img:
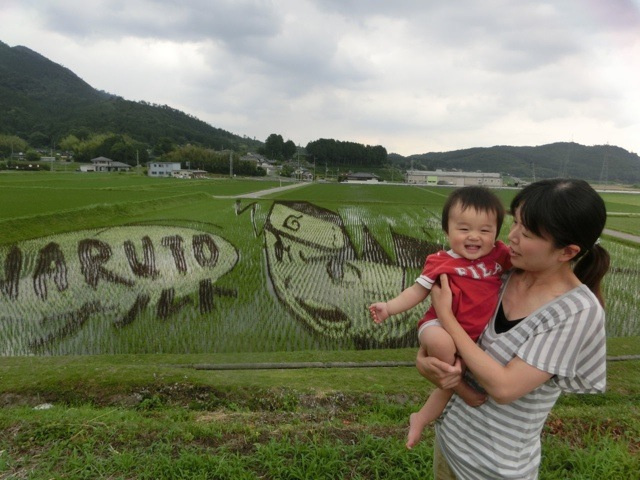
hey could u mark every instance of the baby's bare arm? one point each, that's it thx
(409, 298)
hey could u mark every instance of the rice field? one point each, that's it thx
(129, 264)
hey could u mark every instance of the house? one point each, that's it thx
(455, 178)
(104, 164)
(271, 170)
(262, 162)
(362, 177)
(189, 174)
(302, 174)
(255, 157)
(162, 169)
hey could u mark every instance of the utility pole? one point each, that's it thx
(533, 171)
(604, 173)
(230, 164)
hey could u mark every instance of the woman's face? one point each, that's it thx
(529, 251)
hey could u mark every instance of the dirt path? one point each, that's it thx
(622, 235)
(268, 191)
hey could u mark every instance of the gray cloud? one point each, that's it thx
(410, 74)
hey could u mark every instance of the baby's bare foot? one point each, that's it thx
(416, 426)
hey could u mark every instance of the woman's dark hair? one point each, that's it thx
(569, 212)
(480, 199)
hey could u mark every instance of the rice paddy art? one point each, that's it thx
(317, 274)
(54, 286)
(228, 276)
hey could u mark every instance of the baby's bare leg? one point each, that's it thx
(437, 343)
(431, 410)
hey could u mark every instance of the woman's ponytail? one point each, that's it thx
(591, 268)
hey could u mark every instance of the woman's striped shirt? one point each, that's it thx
(566, 338)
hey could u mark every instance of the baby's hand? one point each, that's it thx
(379, 312)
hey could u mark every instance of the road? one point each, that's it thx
(622, 235)
(261, 193)
(269, 191)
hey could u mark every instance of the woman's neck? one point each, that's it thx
(527, 291)
(552, 278)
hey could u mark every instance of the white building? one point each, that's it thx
(104, 164)
(162, 169)
(362, 177)
(458, 179)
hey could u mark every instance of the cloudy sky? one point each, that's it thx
(412, 75)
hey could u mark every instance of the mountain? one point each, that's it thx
(600, 163)
(42, 102)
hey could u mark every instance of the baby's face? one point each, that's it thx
(472, 233)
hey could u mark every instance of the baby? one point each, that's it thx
(471, 218)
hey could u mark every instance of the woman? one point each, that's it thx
(547, 336)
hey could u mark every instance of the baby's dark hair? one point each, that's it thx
(479, 198)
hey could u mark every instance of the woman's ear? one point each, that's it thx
(569, 252)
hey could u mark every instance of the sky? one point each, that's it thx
(414, 76)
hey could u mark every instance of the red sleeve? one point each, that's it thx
(433, 267)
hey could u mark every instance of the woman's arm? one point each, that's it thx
(503, 383)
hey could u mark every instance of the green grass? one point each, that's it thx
(151, 416)
(27, 194)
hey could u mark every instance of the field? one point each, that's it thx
(157, 417)
(208, 293)
(99, 264)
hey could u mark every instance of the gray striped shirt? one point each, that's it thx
(566, 338)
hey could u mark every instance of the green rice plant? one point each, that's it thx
(621, 290)
(303, 273)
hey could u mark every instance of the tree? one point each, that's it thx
(273, 146)
(289, 150)
(287, 171)
(11, 144)
(162, 146)
(346, 153)
(69, 143)
(38, 140)
(32, 156)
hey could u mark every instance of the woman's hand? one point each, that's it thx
(438, 372)
(441, 299)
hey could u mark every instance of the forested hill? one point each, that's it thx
(605, 163)
(42, 101)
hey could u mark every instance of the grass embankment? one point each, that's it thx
(155, 417)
